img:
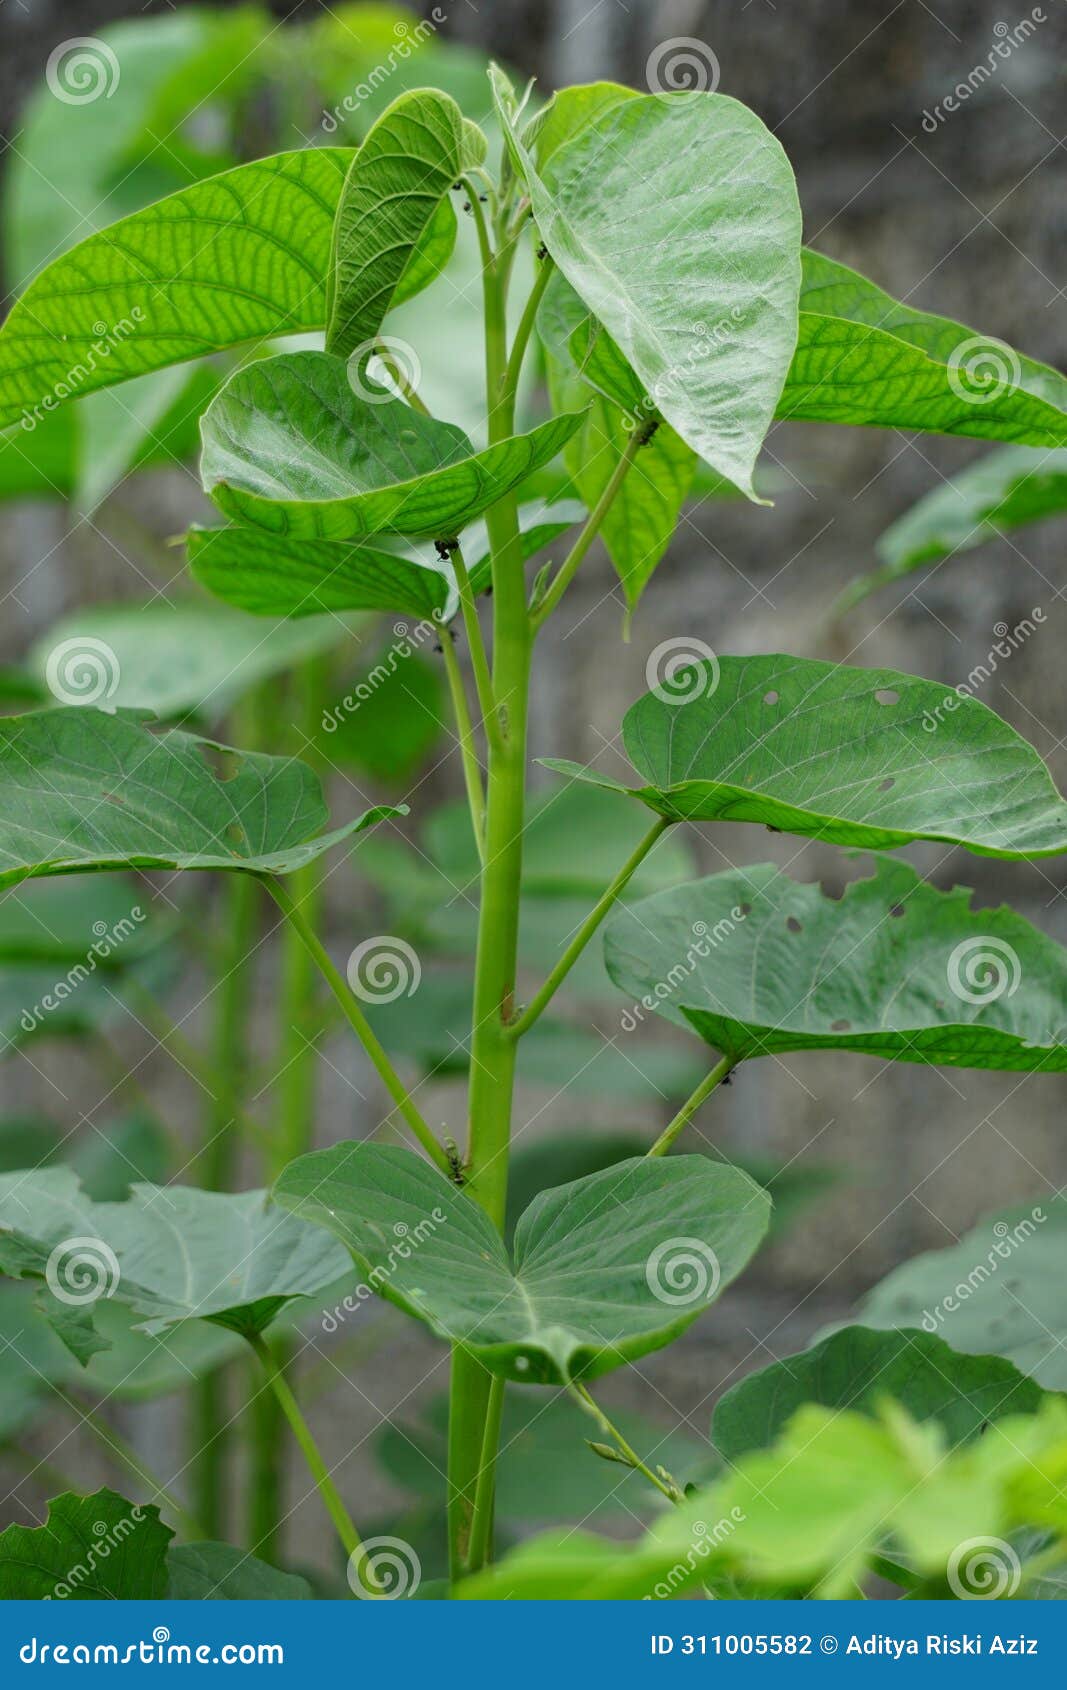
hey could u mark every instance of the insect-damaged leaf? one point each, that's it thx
(97, 1548)
(605, 1269)
(86, 789)
(757, 963)
(865, 757)
(289, 446)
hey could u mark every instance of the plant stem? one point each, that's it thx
(582, 1397)
(346, 1531)
(127, 1456)
(479, 662)
(482, 1519)
(358, 1022)
(472, 774)
(526, 324)
(570, 565)
(543, 998)
(691, 1105)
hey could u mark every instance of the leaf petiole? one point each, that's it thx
(718, 1074)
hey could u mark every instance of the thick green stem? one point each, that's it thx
(572, 562)
(689, 1108)
(342, 1520)
(125, 1454)
(472, 774)
(485, 1488)
(359, 1023)
(543, 998)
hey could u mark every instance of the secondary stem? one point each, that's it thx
(483, 681)
(358, 1022)
(689, 1108)
(472, 774)
(485, 1490)
(317, 1467)
(543, 998)
(570, 565)
(582, 1396)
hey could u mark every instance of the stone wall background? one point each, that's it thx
(971, 221)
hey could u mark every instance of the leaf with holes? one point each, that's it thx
(289, 446)
(865, 757)
(605, 1269)
(97, 1548)
(758, 964)
(86, 789)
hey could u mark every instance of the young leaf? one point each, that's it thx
(698, 283)
(858, 1368)
(97, 1548)
(231, 259)
(997, 1292)
(84, 789)
(864, 757)
(605, 1269)
(289, 446)
(217, 1572)
(758, 964)
(395, 187)
(170, 658)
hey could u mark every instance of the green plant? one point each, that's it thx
(667, 359)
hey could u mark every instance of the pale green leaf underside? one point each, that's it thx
(857, 1368)
(231, 259)
(864, 757)
(83, 789)
(710, 237)
(182, 1253)
(289, 446)
(999, 1291)
(578, 1299)
(395, 186)
(759, 964)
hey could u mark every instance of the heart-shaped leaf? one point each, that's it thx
(290, 447)
(171, 658)
(605, 1269)
(172, 1252)
(392, 194)
(865, 757)
(234, 258)
(757, 964)
(217, 1572)
(698, 282)
(97, 1548)
(84, 789)
(858, 1369)
(999, 1291)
